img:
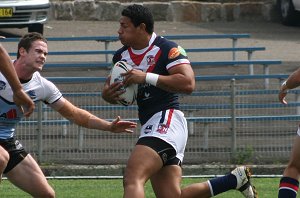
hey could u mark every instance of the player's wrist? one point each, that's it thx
(151, 78)
(16, 87)
(284, 87)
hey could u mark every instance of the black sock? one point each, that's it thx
(223, 184)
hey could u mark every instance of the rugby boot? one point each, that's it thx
(243, 174)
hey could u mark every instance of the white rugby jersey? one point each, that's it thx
(38, 88)
(160, 55)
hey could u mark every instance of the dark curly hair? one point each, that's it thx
(139, 14)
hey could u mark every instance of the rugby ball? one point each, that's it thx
(129, 96)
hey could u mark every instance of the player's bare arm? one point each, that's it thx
(292, 82)
(85, 119)
(21, 99)
(180, 80)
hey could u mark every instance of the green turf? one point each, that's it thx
(112, 188)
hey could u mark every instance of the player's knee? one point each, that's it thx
(127, 181)
(131, 180)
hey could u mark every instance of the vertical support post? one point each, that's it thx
(39, 132)
(80, 138)
(234, 43)
(64, 129)
(190, 123)
(106, 45)
(297, 100)
(251, 70)
(266, 72)
(45, 113)
(233, 118)
(205, 136)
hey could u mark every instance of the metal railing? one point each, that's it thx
(243, 120)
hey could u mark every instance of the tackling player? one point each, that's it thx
(20, 167)
(21, 99)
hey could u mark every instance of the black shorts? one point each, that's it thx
(166, 151)
(16, 152)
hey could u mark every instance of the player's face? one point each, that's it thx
(35, 58)
(128, 33)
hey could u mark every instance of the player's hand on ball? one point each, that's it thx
(134, 76)
(120, 126)
(111, 93)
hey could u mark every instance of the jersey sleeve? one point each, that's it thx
(175, 55)
(51, 92)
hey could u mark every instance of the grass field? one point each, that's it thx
(112, 188)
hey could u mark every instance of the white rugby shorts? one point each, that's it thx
(170, 126)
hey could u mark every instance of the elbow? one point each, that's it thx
(189, 88)
(190, 85)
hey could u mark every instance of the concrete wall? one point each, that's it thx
(180, 11)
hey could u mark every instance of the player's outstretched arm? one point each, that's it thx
(292, 82)
(119, 126)
(21, 99)
(85, 119)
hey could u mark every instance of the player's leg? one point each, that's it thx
(143, 162)
(28, 176)
(4, 157)
(166, 182)
(289, 183)
(238, 179)
(201, 189)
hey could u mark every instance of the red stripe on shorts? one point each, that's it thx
(170, 117)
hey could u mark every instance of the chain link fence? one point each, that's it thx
(229, 122)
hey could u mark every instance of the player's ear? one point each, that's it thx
(22, 50)
(142, 26)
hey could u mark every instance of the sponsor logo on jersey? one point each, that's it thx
(182, 51)
(148, 129)
(173, 53)
(2, 85)
(162, 128)
(150, 60)
(32, 94)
